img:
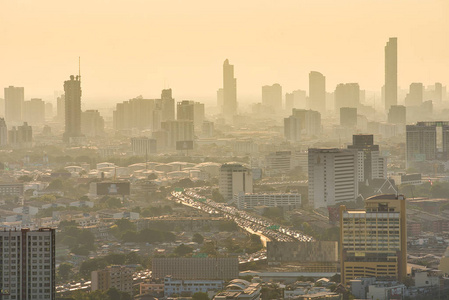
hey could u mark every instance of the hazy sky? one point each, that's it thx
(135, 47)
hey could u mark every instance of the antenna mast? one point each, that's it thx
(79, 67)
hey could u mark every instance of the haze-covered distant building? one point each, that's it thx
(34, 111)
(14, 98)
(415, 94)
(3, 133)
(92, 123)
(272, 97)
(317, 92)
(72, 89)
(229, 91)
(347, 95)
(397, 115)
(310, 121)
(292, 129)
(391, 73)
(348, 117)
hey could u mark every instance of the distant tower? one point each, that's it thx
(317, 92)
(72, 89)
(3, 133)
(391, 73)
(229, 91)
(14, 98)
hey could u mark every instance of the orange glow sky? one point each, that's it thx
(136, 47)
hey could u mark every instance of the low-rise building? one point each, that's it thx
(240, 289)
(189, 287)
(251, 200)
(118, 277)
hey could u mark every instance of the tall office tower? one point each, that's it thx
(136, 113)
(333, 176)
(2, 107)
(415, 94)
(168, 105)
(3, 133)
(185, 110)
(317, 92)
(14, 97)
(423, 143)
(229, 91)
(33, 111)
(25, 135)
(60, 108)
(391, 73)
(28, 264)
(48, 110)
(92, 123)
(234, 178)
(118, 277)
(272, 97)
(371, 165)
(193, 111)
(220, 99)
(438, 92)
(72, 91)
(348, 117)
(397, 115)
(310, 121)
(374, 240)
(289, 102)
(292, 129)
(347, 95)
(178, 131)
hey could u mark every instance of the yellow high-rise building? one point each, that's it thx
(374, 240)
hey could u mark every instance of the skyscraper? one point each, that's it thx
(272, 97)
(168, 105)
(14, 98)
(347, 95)
(333, 176)
(229, 91)
(28, 264)
(72, 89)
(374, 240)
(415, 94)
(391, 73)
(317, 92)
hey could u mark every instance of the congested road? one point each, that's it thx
(245, 220)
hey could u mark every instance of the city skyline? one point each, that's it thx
(284, 52)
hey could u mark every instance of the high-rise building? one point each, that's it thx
(229, 91)
(92, 123)
(72, 90)
(167, 105)
(422, 142)
(220, 99)
(272, 97)
(118, 277)
(21, 136)
(310, 121)
(34, 111)
(391, 73)
(347, 95)
(371, 165)
(292, 129)
(190, 110)
(333, 176)
(348, 117)
(60, 108)
(179, 130)
(14, 98)
(415, 94)
(28, 264)
(3, 133)
(143, 146)
(234, 178)
(397, 115)
(374, 240)
(135, 113)
(279, 162)
(317, 92)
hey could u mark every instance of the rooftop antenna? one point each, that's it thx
(79, 67)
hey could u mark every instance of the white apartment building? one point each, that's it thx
(234, 178)
(333, 176)
(190, 287)
(27, 262)
(249, 201)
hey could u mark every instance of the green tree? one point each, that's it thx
(197, 238)
(65, 271)
(25, 178)
(183, 250)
